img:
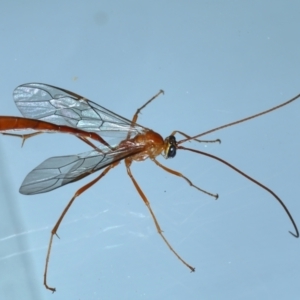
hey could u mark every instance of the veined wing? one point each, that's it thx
(55, 105)
(55, 172)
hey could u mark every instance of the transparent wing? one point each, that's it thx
(62, 107)
(57, 171)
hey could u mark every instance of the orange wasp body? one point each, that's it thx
(50, 109)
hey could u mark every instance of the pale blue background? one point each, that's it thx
(217, 61)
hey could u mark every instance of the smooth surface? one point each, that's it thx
(217, 62)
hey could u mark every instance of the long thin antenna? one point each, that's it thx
(251, 179)
(239, 121)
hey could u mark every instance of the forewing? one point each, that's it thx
(62, 107)
(57, 171)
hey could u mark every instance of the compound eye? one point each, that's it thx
(172, 139)
(172, 151)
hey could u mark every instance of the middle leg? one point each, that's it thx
(147, 203)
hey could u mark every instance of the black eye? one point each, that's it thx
(172, 139)
(172, 152)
